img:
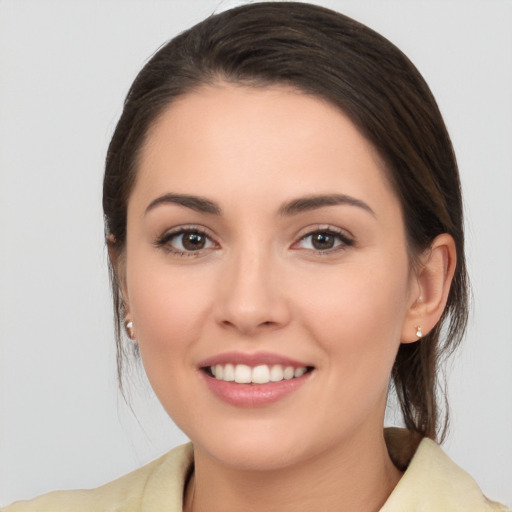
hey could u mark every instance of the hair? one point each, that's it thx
(326, 54)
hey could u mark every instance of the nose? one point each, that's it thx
(251, 297)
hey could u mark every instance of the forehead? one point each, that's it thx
(271, 139)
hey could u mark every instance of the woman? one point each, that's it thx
(284, 224)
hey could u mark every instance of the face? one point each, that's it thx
(266, 274)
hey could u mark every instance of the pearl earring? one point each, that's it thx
(129, 328)
(418, 332)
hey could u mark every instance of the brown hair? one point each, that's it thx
(324, 53)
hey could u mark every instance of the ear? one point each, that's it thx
(433, 277)
(118, 265)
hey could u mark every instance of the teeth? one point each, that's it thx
(288, 373)
(261, 374)
(229, 373)
(276, 373)
(299, 372)
(242, 374)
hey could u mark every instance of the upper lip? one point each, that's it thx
(251, 360)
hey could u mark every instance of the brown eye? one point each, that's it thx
(323, 241)
(193, 241)
(185, 241)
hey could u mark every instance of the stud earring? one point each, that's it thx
(418, 332)
(129, 328)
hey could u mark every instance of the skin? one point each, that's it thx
(259, 285)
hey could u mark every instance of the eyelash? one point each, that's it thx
(164, 241)
(344, 241)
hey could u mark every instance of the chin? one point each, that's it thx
(262, 450)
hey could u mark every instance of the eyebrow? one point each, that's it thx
(199, 204)
(308, 203)
(294, 207)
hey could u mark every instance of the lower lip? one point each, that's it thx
(254, 395)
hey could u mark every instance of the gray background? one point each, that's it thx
(65, 67)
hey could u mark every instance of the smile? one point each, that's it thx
(254, 380)
(261, 374)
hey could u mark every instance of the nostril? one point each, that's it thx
(230, 323)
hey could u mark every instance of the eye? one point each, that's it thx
(325, 240)
(185, 241)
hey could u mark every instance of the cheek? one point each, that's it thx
(169, 310)
(356, 315)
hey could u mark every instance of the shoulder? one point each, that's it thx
(130, 493)
(433, 482)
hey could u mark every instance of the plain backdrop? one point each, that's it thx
(65, 67)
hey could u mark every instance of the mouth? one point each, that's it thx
(259, 374)
(254, 380)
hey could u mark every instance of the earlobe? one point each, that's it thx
(129, 328)
(118, 267)
(434, 277)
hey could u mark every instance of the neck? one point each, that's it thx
(358, 478)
